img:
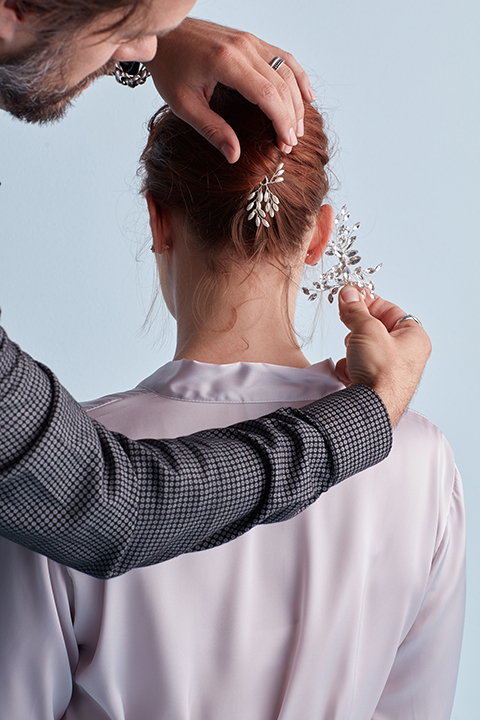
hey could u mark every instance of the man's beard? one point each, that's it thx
(32, 87)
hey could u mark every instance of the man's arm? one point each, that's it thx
(103, 503)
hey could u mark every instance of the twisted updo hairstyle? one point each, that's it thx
(185, 173)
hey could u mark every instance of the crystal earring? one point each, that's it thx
(130, 74)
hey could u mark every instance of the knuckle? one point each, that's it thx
(288, 57)
(242, 40)
(283, 89)
(223, 54)
(210, 133)
(287, 73)
(228, 50)
(268, 91)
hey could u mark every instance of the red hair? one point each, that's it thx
(185, 173)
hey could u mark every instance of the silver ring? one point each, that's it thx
(408, 317)
(276, 63)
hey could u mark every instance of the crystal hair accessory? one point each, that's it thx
(263, 202)
(340, 246)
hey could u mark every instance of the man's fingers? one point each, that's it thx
(301, 77)
(197, 113)
(358, 313)
(410, 333)
(290, 82)
(408, 330)
(353, 309)
(194, 57)
(385, 355)
(388, 313)
(243, 64)
(287, 74)
(262, 86)
(352, 306)
(273, 95)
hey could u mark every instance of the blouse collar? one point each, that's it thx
(242, 382)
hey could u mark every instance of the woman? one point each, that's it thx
(353, 609)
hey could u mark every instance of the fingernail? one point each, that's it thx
(313, 97)
(293, 137)
(350, 295)
(229, 152)
(300, 128)
(287, 149)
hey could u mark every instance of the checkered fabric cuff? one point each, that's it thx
(357, 426)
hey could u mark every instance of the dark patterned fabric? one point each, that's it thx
(102, 503)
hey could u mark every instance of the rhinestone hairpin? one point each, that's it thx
(264, 196)
(340, 245)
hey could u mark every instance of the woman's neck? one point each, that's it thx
(224, 348)
(253, 325)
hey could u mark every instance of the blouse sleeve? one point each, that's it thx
(421, 684)
(103, 504)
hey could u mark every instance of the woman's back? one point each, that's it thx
(353, 609)
(356, 603)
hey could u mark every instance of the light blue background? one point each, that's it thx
(399, 82)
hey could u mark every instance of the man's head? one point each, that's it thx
(50, 50)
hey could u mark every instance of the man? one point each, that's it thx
(103, 503)
(50, 50)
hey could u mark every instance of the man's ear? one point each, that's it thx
(321, 235)
(160, 225)
(15, 31)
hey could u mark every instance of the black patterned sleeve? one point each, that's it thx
(102, 503)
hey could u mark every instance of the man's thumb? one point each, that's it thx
(352, 307)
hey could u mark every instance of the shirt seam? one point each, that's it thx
(100, 405)
(237, 402)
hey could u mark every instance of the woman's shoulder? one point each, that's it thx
(423, 463)
(418, 429)
(115, 399)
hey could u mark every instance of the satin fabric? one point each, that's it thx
(353, 609)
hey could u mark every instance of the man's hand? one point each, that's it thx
(387, 356)
(194, 57)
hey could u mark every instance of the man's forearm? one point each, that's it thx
(103, 503)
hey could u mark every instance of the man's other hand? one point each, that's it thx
(194, 57)
(382, 353)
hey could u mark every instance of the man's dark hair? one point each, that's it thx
(57, 17)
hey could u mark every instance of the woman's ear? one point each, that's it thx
(160, 225)
(321, 235)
